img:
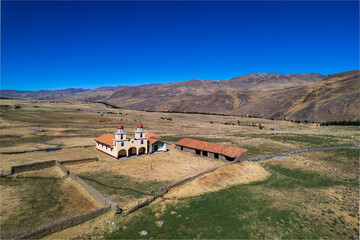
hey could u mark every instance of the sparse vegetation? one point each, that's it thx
(35, 201)
(341, 123)
(313, 195)
(285, 206)
(110, 178)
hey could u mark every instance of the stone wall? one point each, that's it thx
(242, 157)
(45, 164)
(96, 194)
(66, 223)
(165, 189)
(93, 192)
(62, 168)
(32, 166)
(190, 150)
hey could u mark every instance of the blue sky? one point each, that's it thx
(55, 45)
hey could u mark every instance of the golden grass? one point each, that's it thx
(46, 172)
(88, 122)
(10, 200)
(171, 166)
(227, 175)
(82, 230)
(73, 142)
(79, 200)
(310, 162)
(8, 160)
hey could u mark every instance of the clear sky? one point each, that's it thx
(55, 45)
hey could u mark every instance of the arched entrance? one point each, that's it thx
(141, 150)
(132, 151)
(122, 153)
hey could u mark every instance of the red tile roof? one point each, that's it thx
(211, 147)
(106, 139)
(151, 135)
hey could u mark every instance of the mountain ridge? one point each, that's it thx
(312, 96)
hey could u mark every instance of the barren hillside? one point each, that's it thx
(312, 97)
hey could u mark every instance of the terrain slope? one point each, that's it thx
(312, 96)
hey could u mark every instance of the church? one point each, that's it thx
(118, 145)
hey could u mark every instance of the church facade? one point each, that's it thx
(119, 145)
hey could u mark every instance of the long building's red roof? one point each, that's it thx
(211, 147)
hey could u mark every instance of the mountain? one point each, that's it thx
(272, 80)
(312, 96)
(41, 94)
(334, 98)
(210, 96)
(63, 94)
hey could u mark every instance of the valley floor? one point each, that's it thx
(313, 195)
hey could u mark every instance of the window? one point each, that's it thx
(121, 136)
(142, 142)
(122, 144)
(111, 149)
(140, 135)
(98, 144)
(105, 147)
(182, 148)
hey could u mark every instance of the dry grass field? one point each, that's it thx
(71, 127)
(36, 198)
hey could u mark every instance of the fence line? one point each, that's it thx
(63, 224)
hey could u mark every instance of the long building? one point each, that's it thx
(212, 150)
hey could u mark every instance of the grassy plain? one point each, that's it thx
(314, 195)
(37, 198)
(290, 203)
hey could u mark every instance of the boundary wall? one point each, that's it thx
(93, 192)
(61, 225)
(165, 189)
(46, 164)
(75, 220)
